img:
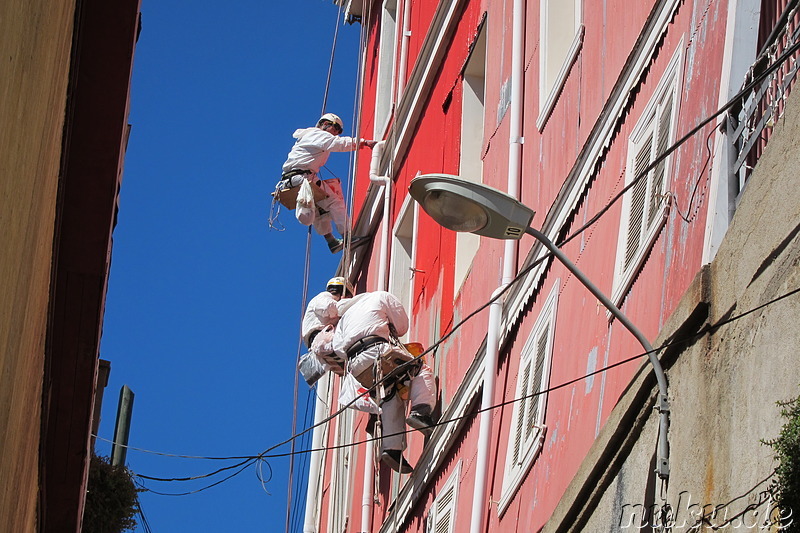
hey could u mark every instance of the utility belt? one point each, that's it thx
(392, 366)
(362, 344)
(296, 172)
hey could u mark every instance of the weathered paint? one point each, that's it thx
(584, 337)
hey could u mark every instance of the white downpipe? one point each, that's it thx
(369, 476)
(405, 37)
(485, 431)
(386, 181)
(479, 496)
(515, 127)
(311, 522)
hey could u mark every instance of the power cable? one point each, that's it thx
(710, 328)
(743, 92)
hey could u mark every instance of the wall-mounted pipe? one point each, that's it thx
(479, 496)
(368, 497)
(311, 522)
(404, 38)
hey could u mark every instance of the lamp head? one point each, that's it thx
(464, 206)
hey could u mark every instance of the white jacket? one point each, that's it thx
(321, 311)
(369, 314)
(312, 148)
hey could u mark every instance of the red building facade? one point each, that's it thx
(601, 117)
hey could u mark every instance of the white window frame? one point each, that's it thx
(442, 515)
(385, 86)
(527, 432)
(473, 112)
(738, 57)
(404, 255)
(644, 207)
(563, 57)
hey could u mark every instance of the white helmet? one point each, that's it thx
(340, 285)
(330, 117)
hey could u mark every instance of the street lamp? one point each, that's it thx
(465, 206)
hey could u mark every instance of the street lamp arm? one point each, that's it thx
(661, 378)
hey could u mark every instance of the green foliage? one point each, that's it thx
(786, 487)
(112, 499)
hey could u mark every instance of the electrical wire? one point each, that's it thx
(710, 328)
(733, 101)
(730, 103)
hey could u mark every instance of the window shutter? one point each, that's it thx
(637, 205)
(537, 386)
(523, 407)
(444, 510)
(664, 127)
(526, 435)
(442, 517)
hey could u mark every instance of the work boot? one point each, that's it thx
(335, 245)
(395, 460)
(420, 419)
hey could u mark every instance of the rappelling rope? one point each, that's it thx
(306, 275)
(358, 91)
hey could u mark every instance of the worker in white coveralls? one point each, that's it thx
(362, 336)
(309, 153)
(319, 322)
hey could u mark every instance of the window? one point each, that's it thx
(384, 95)
(644, 205)
(527, 432)
(442, 517)
(471, 164)
(401, 274)
(561, 37)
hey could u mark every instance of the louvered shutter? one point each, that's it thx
(537, 386)
(657, 186)
(519, 431)
(442, 518)
(638, 194)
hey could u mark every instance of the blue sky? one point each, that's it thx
(204, 301)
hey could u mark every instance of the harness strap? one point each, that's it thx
(362, 344)
(295, 172)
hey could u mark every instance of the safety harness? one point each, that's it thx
(392, 369)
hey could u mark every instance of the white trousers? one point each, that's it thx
(422, 391)
(335, 210)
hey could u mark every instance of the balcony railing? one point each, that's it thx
(753, 120)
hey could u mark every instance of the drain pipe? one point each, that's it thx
(311, 521)
(479, 496)
(401, 69)
(369, 474)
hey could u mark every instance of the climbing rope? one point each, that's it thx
(274, 223)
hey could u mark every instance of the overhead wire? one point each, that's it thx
(709, 328)
(733, 101)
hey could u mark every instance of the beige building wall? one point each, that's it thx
(724, 381)
(35, 44)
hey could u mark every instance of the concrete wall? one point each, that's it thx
(727, 368)
(35, 44)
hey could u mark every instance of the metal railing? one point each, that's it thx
(751, 123)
